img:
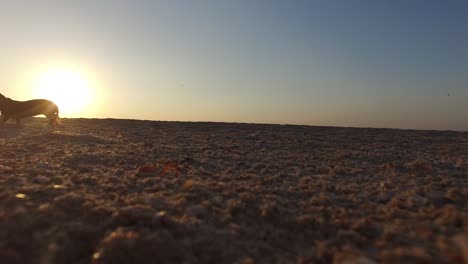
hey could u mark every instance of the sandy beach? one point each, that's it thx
(128, 191)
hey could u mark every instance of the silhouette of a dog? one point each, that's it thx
(23, 109)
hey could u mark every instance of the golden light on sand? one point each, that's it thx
(68, 88)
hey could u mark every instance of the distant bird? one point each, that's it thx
(448, 94)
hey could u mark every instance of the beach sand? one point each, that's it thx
(127, 191)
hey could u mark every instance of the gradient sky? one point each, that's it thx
(343, 63)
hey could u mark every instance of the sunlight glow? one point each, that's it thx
(67, 88)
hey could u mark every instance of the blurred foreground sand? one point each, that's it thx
(128, 191)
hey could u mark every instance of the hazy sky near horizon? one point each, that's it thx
(399, 64)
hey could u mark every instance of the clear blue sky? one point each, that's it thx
(345, 63)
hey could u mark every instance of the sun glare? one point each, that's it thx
(67, 88)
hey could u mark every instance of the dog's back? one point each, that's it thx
(22, 109)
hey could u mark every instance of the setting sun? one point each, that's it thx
(68, 88)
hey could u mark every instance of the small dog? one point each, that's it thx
(22, 109)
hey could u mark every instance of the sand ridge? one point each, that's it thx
(130, 191)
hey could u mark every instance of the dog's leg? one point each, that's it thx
(4, 119)
(51, 119)
(18, 121)
(56, 119)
